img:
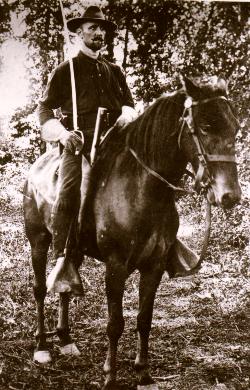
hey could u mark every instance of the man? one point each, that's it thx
(99, 83)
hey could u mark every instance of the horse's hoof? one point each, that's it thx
(70, 349)
(110, 384)
(42, 357)
(153, 386)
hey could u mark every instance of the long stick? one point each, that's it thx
(98, 128)
(72, 74)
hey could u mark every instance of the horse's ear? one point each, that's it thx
(190, 87)
(222, 85)
(219, 83)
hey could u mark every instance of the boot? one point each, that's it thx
(64, 277)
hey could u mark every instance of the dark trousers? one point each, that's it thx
(67, 201)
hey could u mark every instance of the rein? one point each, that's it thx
(155, 174)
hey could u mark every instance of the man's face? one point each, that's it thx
(92, 34)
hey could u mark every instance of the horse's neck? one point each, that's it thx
(155, 138)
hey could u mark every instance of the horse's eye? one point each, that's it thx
(204, 129)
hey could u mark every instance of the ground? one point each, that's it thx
(200, 331)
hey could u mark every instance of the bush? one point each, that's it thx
(5, 157)
(24, 124)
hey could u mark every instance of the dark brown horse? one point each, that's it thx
(130, 221)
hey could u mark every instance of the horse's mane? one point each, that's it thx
(148, 133)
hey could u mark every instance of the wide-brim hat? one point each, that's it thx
(92, 14)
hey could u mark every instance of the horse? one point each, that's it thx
(130, 220)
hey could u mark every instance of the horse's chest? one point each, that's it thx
(120, 204)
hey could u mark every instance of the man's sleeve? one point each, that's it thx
(127, 99)
(51, 99)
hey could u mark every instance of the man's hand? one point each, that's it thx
(128, 115)
(74, 143)
(54, 131)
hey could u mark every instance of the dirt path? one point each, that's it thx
(200, 333)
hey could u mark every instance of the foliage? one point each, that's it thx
(190, 37)
(24, 124)
(5, 157)
(4, 20)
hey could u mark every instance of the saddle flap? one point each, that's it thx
(44, 177)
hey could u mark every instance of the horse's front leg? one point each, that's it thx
(115, 283)
(68, 347)
(149, 282)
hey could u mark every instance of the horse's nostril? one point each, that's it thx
(228, 200)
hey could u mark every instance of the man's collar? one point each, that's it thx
(90, 59)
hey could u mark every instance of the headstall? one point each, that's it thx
(204, 158)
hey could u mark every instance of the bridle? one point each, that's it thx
(203, 157)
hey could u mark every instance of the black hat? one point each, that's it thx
(92, 14)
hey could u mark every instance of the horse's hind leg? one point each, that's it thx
(40, 241)
(149, 282)
(115, 283)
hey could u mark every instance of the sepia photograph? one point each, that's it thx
(124, 195)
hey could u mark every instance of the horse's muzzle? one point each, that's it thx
(225, 199)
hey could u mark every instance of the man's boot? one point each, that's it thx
(64, 277)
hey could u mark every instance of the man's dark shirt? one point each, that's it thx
(99, 83)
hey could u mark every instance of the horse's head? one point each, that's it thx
(208, 140)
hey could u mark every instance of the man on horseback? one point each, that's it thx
(99, 83)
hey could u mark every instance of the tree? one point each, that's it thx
(4, 20)
(168, 38)
(4, 23)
